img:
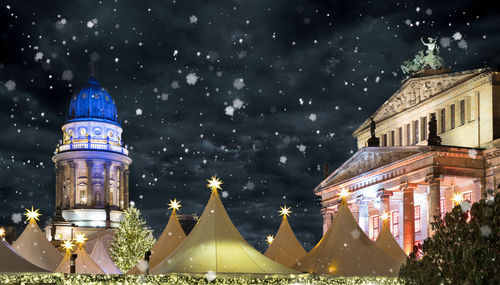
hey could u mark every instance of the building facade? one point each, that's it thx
(91, 167)
(409, 179)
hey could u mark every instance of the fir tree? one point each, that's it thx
(460, 251)
(132, 239)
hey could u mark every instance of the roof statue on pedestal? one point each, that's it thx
(433, 139)
(428, 60)
(373, 140)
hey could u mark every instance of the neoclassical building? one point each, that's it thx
(91, 166)
(406, 176)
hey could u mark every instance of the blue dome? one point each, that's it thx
(92, 103)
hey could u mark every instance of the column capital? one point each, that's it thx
(433, 178)
(382, 193)
(406, 186)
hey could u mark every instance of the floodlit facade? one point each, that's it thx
(91, 165)
(404, 175)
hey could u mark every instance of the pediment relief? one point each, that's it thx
(417, 90)
(366, 160)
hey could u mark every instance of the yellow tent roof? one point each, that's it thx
(84, 264)
(345, 250)
(34, 247)
(11, 261)
(389, 245)
(171, 237)
(285, 248)
(215, 245)
(100, 255)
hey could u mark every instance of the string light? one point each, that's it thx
(32, 215)
(269, 239)
(174, 204)
(285, 211)
(214, 183)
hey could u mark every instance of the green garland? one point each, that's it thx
(67, 279)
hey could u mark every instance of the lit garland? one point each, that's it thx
(58, 278)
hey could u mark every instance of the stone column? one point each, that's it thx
(121, 190)
(107, 166)
(408, 217)
(72, 183)
(90, 196)
(433, 199)
(363, 216)
(125, 187)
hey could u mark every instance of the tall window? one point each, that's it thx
(417, 218)
(462, 112)
(400, 136)
(408, 134)
(424, 128)
(395, 223)
(452, 116)
(443, 120)
(384, 140)
(468, 197)
(415, 132)
(392, 143)
(374, 227)
(442, 209)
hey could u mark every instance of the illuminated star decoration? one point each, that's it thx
(214, 183)
(80, 238)
(343, 195)
(174, 205)
(285, 211)
(68, 245)
(2, 232)
(457, 198)
(269, 239)
(32, 215)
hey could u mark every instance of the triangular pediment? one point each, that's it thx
(367, 159)
(418, 89)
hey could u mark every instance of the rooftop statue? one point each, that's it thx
(428, 60)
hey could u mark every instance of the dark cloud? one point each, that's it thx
(312, 72)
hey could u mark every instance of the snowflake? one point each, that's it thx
(67, 75)
(10, 85)
(138, 112)
(229, 110)
(302, 148)
(238, 83)
(485, 230)
(445, 42)
(462, 44)
(210, 276)
(355, 234)
(193, 19)
(312, 117)
(238, 104)
(191, 78)
(225, 194)
(283, 159)
(39, 56)
(465, 205)
(16, 218)
(457, 36)
(92, 23)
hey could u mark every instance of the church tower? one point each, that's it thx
(91, 166)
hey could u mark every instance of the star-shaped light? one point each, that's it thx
(67, 245)
(2, 232)
(32, 215)
(269, 239)
(385, 216)
(457, 198)
(174, 204)
(343, 193)
(80, 238)
(214, 183)
(285, 211)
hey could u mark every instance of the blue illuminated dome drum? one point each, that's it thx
(92, 165)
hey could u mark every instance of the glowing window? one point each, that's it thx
(417, 219)
(395, 223)
(442, 209)
(374, 227)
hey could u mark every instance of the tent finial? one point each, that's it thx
(214, 183)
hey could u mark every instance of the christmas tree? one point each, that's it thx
(131, 241)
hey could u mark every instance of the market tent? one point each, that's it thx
(11, 261)
(215, 245)
(285, 248)
(34, 247)
(100, 255)
(389, 245)
(169, 240)
(345, 250)
(83, 263)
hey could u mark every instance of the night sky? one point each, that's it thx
(260, 93)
